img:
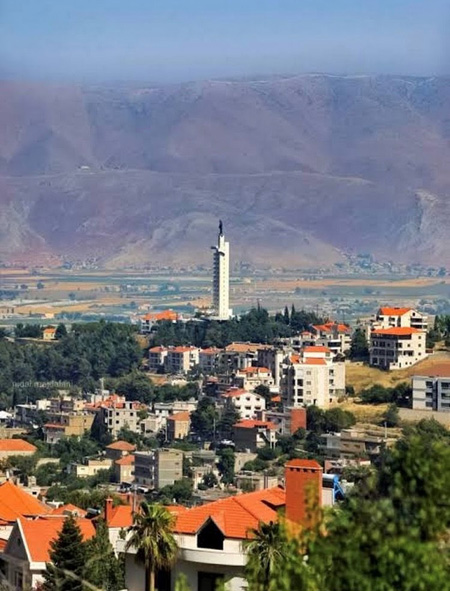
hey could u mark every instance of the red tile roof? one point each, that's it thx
(396, 331)
(294, 358)
(331, 327)
(234, 516)
(235, 392)
(125, 461)
(252, 424)
(438, 370)
(389, 311)
(122, 516)
(164, 315)
(210, 351)
(16, 445)
(314, 361)
(158, 349)
(15, 503)
(252, 369)
(179, 416)
(54, 426)
(67, 509)
(38, 533)
(316, 349)
(182, 349)
(121, 446)
(49, 330)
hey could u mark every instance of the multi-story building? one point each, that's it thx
(287, 421)
(237, 356)
(221, 277)
(246, 403)
(91, 467)
(396, 347)
(178, 426)
(432, 392)
(312, 378)
(272, 358)
(337, 337)
(156, 358)
(68, 424)
(392, 317)
(119, 449)
(251, 377)
(124, 469)
(180, 360)
(159, 468)
(352, 443)
(208, 360)
(121, 415)
(250, 435)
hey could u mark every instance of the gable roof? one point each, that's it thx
(125, 461)
(393, 311)
(314, 361)
(180, 416)
(316, 349)
(37, 534)
(396, 331)
(235, 392)
(121, 446)
(164, 315)
(331, 327)
(121, 516)
(234, 516)
(256, 370)
(19, 445)
(67, 509)
(15, 503)
(252, 424)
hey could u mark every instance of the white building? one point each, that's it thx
(392, 317)
(246, 403)
(396, 347)
(221, 277)
(208, 360)
(180, 360)
(156, 358)
(251, 377)
(312, 378)
(432, 392)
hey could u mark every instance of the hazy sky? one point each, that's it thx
(171, 40)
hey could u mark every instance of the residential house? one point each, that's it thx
(335, 336)
(68, 424)
(90, 467)
(27, 551)
(158, 468)
(180, 360)
(124, 469)
(251, 377)
(393, 317)
(208, 360)
(238, 356)
(16, 447)
(352, 443)
(397, 348)
(250, 435)
(119, 449)
(120, 415)
(432, 390)
(246, 403)
(178, 426)
(49, 333)
(156, 358)
(287, 421)
(148, 321)
(312, 378)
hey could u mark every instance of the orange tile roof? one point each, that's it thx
(390, 311)
(50, 330)
(122, 516)
(121, 446)
(440, 370)
(234, 516)
(182, 349)
(210, 351)
(59, 426)
(245, 347)
(235, 392)
(69, 508)
(294, 358)
(3, 544)
(179, 416)
(158, 349)
(252, 424)
(38, 533)
(314, 361)
(16, 445)
(331, 326)
(276, 399)
(316, 349)
(15, 503)
(396, 331)
(254, 370)
(125, 461)
(164, 315)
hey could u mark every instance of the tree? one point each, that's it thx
(151, 535)
(230, 417)
(68, 558)
(359, 349)
(61, 331)
(265, 553)
(315, 419)
(391, 416)
(264, 392)
(210, 480)
(204, 418)
(337, 419)
(226, 464)
(103, 569)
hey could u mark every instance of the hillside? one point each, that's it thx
(300, 169)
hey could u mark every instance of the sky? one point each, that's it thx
(179, 40)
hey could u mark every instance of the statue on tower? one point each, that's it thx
(220, 228)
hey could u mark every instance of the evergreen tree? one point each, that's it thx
(230, 417)
(68, 558)
(359, 348)
(103, 569)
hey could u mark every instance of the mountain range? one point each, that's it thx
(300, 169)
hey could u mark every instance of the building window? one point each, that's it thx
(209, 581)
(211, 537)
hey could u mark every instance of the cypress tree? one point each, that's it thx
(68, 557)
(103, 569)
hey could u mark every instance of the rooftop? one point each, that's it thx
(252, 424)
(16, 445)
(125, 461)
(15, 503)
(179, 416)
(396, 331)
(393, 311)
(121, 446)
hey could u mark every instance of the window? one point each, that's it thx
(209, 581)
(211, 537)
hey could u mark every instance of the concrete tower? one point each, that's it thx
(221, 277)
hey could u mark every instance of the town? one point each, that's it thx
(227, 424)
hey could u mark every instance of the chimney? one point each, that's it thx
(303, 491)
(108, 509)
(298, 419)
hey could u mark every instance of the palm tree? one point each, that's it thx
(151, 535)
(264, 553)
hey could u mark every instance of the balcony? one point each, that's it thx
(216, 557)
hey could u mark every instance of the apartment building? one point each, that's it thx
(396, 347)
(180, 360)
(251, 377)
(208, 360)
(124, 469)
(237, 356)
(352, 443)
(66, 425)
(250, 435)
(272, 358)
(312, 378)
(120, 415)
(156, 358)
(393, 317)
(178, 426)
(432, 391)
(337, 337)
(246, 403)
(159, 468)
(287, 421)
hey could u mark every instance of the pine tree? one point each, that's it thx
(68, 557)
(103, 569)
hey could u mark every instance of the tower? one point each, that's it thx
(221, 277)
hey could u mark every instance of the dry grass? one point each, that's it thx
(365, 413)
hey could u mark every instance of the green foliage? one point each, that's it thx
(210, 480)
(320, 421)
(400, 395)
(391, 417)
(103, 569)
(226, 464)
(256, 465)
(28, 331)
(204, 418)
(68, 558)
(256, 326)
(229, 417)
(61, 331)
(359, 348)
(180, 492)
(75, 449)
